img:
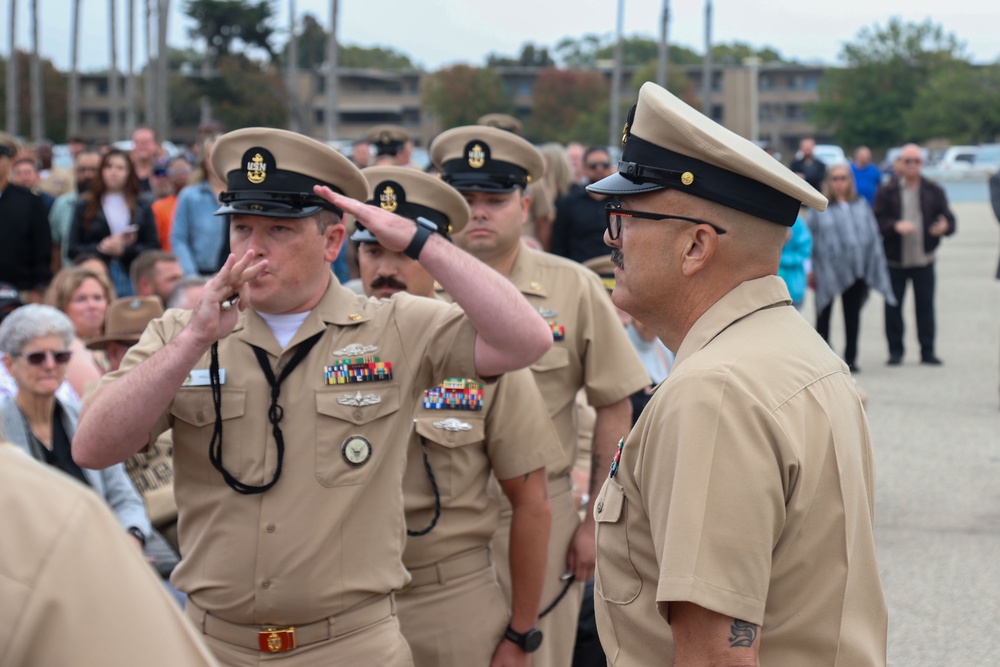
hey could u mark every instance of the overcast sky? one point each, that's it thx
(435, 33)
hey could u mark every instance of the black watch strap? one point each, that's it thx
(417, 243)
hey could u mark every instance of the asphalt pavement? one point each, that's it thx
(936, 433)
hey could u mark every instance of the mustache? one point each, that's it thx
(387, 281)
(618, 258)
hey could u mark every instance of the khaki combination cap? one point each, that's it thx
(668, 144)
(126, 320)
(388, 139)
(414, 195)
(272, 172)
(9, 146)
(501, 121)
(477, 157)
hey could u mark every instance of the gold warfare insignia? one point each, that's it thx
(477, 157)
(387, 199)
(256, 169)
(687, 178)
(624, 134)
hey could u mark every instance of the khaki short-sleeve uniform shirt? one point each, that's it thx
(75, 589)
(747, 488)
(590, 348)
(509, 435)
(330, 534)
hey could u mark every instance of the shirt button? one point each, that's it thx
(281, 365)
(358, 415)
(201, 416)
(266, 583)
(270, 528)
(600, 506)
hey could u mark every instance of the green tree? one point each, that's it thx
(960, 102)
(459, 95)
(885, 68)
(531, 56)
(224, 23)
(570, 105)
(53, 89)
(375, 57)
(312, 51)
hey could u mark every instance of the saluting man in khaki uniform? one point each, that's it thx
(736, 522)
(75, 589)
(491, 168)
(292, 400)
(454, 612)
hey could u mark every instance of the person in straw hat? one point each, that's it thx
(292, 400)
(735, 525)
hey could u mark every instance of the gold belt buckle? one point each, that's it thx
(276, 640)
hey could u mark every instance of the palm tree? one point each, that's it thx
(162, 60)
(149, 76)
(12, 91)
(330, 113)
(37, 110)
(113, 86)
(130, 101)
(73, 96)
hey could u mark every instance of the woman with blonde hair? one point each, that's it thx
(197, 234)
(83, 295)
(848, 258)
(555, 183)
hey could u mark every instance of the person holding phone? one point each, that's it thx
(112, 221)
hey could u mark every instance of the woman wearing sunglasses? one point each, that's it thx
(35, 342)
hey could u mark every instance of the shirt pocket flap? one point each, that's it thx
(557, 357)
(360, 406)
(609, 505)
(195, 407)
(451, 431)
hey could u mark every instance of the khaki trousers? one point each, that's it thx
(454, 624)
(559, 627)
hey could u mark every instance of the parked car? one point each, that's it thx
(958, 157)
(988, 158)
(830, 154)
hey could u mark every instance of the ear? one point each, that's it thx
(701, 244)
(334, 236)
(8, 361)
(525, 205)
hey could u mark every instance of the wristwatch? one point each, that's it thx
(137, 534)
(528, 641)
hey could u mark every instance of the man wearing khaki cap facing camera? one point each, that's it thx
(454, 613)
(291, 402)
(735, 526)
(491, 168)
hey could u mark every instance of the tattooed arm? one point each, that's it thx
(704, 638)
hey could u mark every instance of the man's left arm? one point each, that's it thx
(530, 524)
(704, 638)
(510, 333)
(613, 422)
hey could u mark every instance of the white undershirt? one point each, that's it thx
(116, 212)
(284, 326)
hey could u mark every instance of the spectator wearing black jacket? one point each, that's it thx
(25, 238)
(578, 230)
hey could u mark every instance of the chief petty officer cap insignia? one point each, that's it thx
(415, 195)
(477, 157)
(388, 139)
(668, 144)
(272, 172)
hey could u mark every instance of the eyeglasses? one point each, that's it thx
(838, 178)
(598, 165)
(613, 214)
(38, 358)
(912, 160)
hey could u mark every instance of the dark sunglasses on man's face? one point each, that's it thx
(598, 165)
(38, 358)
(912, 160)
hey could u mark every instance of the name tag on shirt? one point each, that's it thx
(200, 377)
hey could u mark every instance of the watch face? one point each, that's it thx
(356, 450)
(532, 640)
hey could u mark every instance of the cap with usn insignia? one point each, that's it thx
(414, 195)
(388, 139)
(272, 172)
(476, 157)
(668, 144)
(501, 121)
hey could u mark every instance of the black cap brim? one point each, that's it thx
(617, 185)
(268, 209)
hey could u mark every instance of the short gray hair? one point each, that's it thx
(183, 285)
(33, 321)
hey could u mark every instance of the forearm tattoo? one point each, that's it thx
(743, 634)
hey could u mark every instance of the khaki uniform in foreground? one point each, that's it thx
(75, 589)
(746, 488)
